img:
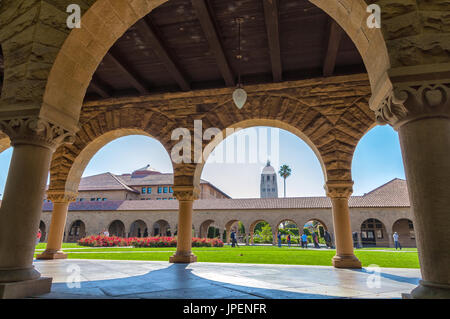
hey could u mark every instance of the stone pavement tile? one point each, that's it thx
(88, 291)
(332, 291)
(385, 295)
(213, 292)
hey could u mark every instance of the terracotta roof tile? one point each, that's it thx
(391, 194)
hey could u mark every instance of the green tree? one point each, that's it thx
(285, 172)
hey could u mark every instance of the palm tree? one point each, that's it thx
(285, 172)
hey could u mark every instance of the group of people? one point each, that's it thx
(303, 239)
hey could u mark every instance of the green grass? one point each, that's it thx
(247, 254)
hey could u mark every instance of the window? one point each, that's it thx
(165, 189)
(81, 199)
(142, 198)
(379, 234)
(158, 199)
(170, 190)
(103, 199)
(164, 198)
(268, 177)
(99, 199)
(159, 189)
(143, 190)
(92, 199)
(273, 189)
(149, 190)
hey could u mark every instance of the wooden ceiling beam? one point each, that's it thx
(100, 88)
(125, 70)
(148, 33)
(271, 15)
(335, 33)
(209, 29)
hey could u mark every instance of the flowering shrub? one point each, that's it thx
(103, 241)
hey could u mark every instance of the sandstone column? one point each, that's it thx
(61, 201)
(34, 142)
(339, 192)
(420, 112)
(186, 196)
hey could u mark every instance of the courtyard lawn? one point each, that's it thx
(248, 254)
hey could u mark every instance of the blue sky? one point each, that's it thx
(376, 161)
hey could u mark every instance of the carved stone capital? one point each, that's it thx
(410, 102)
(185, 193)
(60, 196)
(34, 130)
(339, 189)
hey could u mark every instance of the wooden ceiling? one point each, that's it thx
(192, 44)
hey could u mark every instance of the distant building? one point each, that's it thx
(269, 184)
(143, 184)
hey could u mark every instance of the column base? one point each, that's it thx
(28, 288)
(51, 254)
(346, 262)
(178, 258)
(430, 290)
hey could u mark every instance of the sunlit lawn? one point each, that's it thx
(249, 254)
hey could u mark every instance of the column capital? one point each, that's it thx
(339, 189)
(36, 131)
(186, 193)
(61, 196)
(407, 102)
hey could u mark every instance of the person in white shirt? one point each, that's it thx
(396, 242)
(106, 233)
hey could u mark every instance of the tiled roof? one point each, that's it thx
(391, 194)
(102, 182)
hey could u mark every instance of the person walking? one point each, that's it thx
(355, 239)
(396, 242)
(233, 239)
(315, 240)
(327, 238)
(38, 237)
(304, 239)
(288, 239)
(279, 239)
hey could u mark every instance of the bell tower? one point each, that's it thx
(269, 184)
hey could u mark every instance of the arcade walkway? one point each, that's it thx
(152, 279)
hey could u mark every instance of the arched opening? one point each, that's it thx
(261, 233)
(288, 229)
(405, 230)
(373, 233)
(162, 228)
(117, 228)
(243, 150)
(208, 230)
(138, 229)
(377, 159)
(76, 231)
(42, 228)
(315, 231)
(236, 227)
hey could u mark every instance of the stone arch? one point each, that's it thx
(62, 99)
(69, 161)
(116, 228)
(138, 228)
(204, 227)
(405, 230)
(163, 228)
(251, 230)
(76, 231)
(374, 233)
(333, 138)
(352, 17)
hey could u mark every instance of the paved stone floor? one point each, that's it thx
(153, 279)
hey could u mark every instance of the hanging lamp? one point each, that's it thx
(239, 95)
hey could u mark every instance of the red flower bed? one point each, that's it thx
(103, 241)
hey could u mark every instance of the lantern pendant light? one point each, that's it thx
(239, 95)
